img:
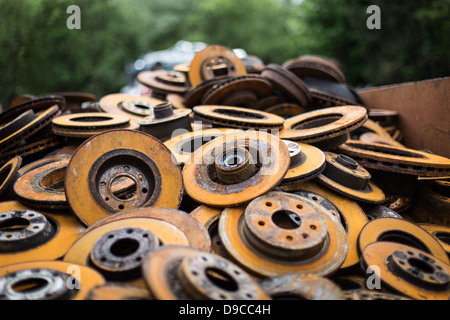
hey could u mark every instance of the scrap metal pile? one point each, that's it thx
(231, 180)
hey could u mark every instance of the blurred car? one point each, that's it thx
(181, 52)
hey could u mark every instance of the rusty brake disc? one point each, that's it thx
(163, 82)
(403, 232)
(85, 125)
(344, 175)
(431, 203)
(134, 107)
(325, 92)
(183, 146)
(166, 122)
(309, 66)
(280, 233)
(42, 120)
(114, 154)
(212, 62)
(118, 291)
(288, 84)
(195, 232)
(194, 96)
(43, 187)
(341, 209)
(440, 233)
(46, 160)
(409, 271)
(285, 110)
(376, 211)
(307, 162)
(324, 128)
(47, 280)
(209, 218)
(237, 117)
(29, 235)
(33, 150)
(371, 295)
(371, 137)
(242, 91)
(399, 160)
(301, 286)
(181, 273)
(9, 173)
(16, 124)
(118, 248)
(36, 104)
(235, 168)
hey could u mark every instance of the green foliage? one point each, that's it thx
(39, 54)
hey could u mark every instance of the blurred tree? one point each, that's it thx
(39, 54)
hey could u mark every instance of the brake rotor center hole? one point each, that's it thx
(421, 265)
(286, 219)
(30, 285)
(14, 224)
(124, 247)
(347, 161)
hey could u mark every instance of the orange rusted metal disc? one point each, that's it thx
(301, 286)
(88, 124)
(214, 61)
(195, 232)
(344, 175)
(236, 168)
(21, 241)
(327, 127)
(281, 233)
(177, 272)
(114, 154)
(343, 210)
(9, 174)
(307, 162)
(163, 81)
(38, 163)
(440, 233)
(400, 231)
(361, 294)
(42, 120)
(237, 117)
(183, 146)
(393, 159)
(50, 280)
(117, 249)
(118, 291)
(314, 67)
(286, 82)
(209, 217)
(134, 107)
(410, 271)
(43, 187)
(371, 137)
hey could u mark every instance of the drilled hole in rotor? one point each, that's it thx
(405, 238)
(444, 237)
(14, 225)
(124, 247)
(29, 285)
(221, 279)
(286, 219)
(240, 114)
(54, 180)
(421, 265)
(316, 122)
(91, 119)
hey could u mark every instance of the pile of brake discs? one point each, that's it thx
(232, 180)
